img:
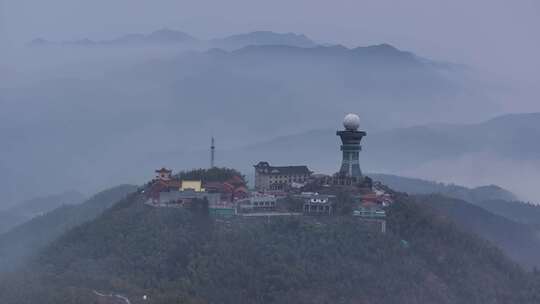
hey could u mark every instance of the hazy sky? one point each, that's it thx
(501, 36)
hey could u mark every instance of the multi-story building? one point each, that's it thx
(258, 202)
(271, 178)
(317, 204)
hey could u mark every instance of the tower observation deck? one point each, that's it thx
(350, 138)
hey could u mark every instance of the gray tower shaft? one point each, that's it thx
(350, 163)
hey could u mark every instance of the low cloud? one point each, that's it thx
(476, 169)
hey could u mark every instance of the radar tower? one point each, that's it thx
(350, 138)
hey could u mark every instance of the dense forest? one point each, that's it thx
(181, 256)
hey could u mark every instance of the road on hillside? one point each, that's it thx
(117, 296)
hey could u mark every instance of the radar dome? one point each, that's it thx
(351, 122)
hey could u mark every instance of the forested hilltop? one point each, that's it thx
(183, 256)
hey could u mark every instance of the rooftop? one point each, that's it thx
(283, 170)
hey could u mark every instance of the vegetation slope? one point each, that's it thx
(518, 240)
(182, 256)
(28, 238)
(489, 211)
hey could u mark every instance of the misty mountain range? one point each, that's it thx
(507, 137)
(168, 37)
(24, 211)
(34, 234)
(476, 195)
(98, 119)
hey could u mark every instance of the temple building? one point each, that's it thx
(163, 174)
(271, 178)
(231, 190)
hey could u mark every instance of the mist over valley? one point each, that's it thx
(110, 111)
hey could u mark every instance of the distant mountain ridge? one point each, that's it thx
(521, 212)
(518, 240)
(359, 55)
(507, 135)
(26, 210)
(263, 38)
(169, 37)
(419, 186)
(21, 242)
(163, 36)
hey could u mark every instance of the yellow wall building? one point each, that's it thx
(192, 184)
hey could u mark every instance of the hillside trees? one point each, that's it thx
(174, 255)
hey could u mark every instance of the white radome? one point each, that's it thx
(351, 122)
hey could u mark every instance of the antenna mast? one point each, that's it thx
(212, 153)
